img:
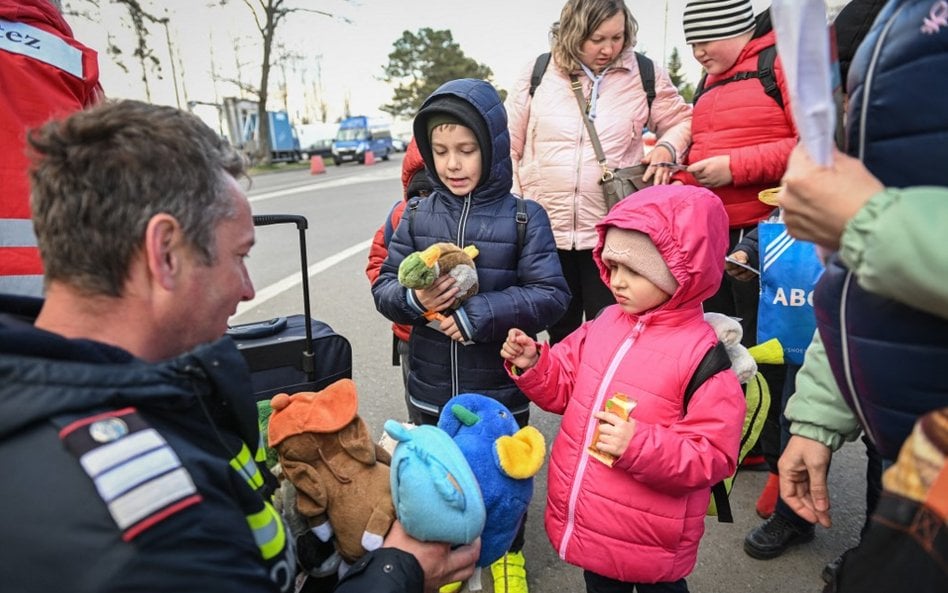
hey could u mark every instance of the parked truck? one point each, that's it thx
(359, 134)
(243, 130)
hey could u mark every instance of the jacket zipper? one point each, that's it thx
(599, 403)
(843, 308)
(462, 225)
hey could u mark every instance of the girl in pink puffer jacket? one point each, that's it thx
(639, 521)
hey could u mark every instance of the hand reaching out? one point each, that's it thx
(803, 467)
(520, 350)
(615, 434)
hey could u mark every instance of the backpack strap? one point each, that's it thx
(714, 361)
(389, 229)
(647, 73)
(412, 207)
(765, 73)
(539, 69)
(522, 220)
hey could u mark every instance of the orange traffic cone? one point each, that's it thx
(316, 165)
(369, 158)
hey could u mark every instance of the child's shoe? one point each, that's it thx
(451, 587)
(767, 501)
(509, 574)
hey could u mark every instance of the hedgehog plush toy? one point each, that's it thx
(422, 268)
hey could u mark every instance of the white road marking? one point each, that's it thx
(379, 174)
(293, 280)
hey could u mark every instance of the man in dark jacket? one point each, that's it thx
(127, 428)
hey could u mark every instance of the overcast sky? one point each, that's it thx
(347, 59)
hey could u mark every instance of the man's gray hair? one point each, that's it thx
(101, 174)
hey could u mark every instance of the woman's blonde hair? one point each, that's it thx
(578, 21)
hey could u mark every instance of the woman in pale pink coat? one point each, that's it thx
(639, 521)
(553, 157)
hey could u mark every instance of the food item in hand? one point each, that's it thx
(620, 405)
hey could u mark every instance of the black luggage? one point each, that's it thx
(285, 354)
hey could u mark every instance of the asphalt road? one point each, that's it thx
(344, 207)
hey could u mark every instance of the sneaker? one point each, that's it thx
(509, 574)
(767, 501)
(451, 587)
(772, 537)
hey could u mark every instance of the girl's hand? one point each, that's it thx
(439, 295)
(615, 434)
(713, 172)
(520, 350)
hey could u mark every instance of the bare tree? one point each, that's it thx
(268, 15)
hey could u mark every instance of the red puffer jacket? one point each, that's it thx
(740, 120)
(44, 73)
(379, 249)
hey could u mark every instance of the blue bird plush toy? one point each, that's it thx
(504, 459)
(435, 494)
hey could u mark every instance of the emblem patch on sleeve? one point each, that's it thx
(138, 475)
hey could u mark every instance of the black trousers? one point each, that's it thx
(589, 293)
(596, 583)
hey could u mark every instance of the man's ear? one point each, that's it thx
(163, 249)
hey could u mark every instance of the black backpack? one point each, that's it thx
(765, 73)
(646, 71)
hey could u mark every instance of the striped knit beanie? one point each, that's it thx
(710, 20)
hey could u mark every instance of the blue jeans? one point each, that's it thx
(599, 584)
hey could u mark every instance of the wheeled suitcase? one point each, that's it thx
(286, 354)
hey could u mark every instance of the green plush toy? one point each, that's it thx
(422, 268)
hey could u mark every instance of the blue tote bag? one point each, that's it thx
(789, 271)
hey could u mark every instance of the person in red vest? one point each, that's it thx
(44, 73)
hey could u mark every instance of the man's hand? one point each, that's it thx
(519, 349)
(440, 563)
(439, 295)
(803, 467)
(713, 172)
(818, 202)
(615, 434)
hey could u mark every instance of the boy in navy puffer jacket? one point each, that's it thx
(461, 131)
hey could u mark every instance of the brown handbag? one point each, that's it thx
(616, 183)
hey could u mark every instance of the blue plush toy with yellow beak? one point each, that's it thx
(504, 459)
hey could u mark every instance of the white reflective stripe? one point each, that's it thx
(25, 40)
(151, 497)
(17, 232)
(22, 285)
(136, 471)
(117, 452)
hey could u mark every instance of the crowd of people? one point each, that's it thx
(125, 408)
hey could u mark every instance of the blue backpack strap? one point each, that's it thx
(389, 229)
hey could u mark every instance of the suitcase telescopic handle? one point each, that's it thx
(309, 366)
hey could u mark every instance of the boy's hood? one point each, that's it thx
(688, 225)
(482, 96)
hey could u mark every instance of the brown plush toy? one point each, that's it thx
(341, 475)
